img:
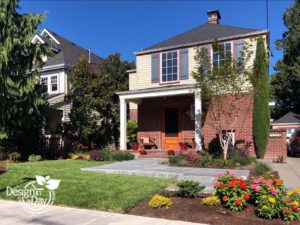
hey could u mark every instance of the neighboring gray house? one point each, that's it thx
(56, 72)
(288, 122)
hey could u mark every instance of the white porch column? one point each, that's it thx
(198, 115)
(123, 124)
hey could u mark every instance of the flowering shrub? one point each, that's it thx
(95, 155)
(192, 156)
(234, 192)
(158, 201)
(211, 201)
(14, 156)
(269, 196)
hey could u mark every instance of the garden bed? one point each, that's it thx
(191, 210)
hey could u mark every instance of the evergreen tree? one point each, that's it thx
(112, 77)
(285, 84)
(83, 119)
(21, 97)
(261, 112)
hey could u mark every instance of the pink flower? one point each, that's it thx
(253, 186)
(274, 192)
(231, 174)
(258, 180)
(215, 183)
(295, 208)
(221, 175)
(257, 188)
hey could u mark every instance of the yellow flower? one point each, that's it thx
(265, 207)
(295, 203)
(272, 200)
(297, 190)
(290, 193)
(263, 196)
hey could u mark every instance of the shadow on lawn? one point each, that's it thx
(23, 181)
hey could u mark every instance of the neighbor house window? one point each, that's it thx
(54, 83)
(169, 66)
(44, 81)
(218, 58)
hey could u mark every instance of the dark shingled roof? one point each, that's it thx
(67, 52)
(290, 117)
(203, 32)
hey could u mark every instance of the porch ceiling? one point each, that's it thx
(158, 92)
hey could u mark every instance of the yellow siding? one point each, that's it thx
(142, 78)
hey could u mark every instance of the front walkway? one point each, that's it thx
(11, 212)
(289, 172)
(155, 168)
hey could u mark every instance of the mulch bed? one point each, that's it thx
(192, 210)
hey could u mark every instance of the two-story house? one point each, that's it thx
(162, 93)
(56, 72)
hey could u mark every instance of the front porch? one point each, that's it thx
(166, 117)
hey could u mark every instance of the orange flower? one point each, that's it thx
(277, 182)
(246, 197)
(231, 184)
(225, 198)
(238, 201)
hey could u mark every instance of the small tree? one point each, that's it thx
(261, 113)
(231, 79)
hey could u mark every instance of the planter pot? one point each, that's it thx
(135, 146)
(143, 152)
(171, 152)
(183, 146)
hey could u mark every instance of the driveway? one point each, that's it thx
(156, 168)
(289, 172)
(11, 212)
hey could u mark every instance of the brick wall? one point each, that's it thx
(223, 111)
(133, 114)
(150, 121)
(276, 145)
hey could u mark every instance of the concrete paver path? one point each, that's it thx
(155, 168)
(11, 213)
(289, 172)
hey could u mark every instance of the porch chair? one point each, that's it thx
(147, 142)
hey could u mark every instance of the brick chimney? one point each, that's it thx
(213, 16)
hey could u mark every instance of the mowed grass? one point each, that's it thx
(110, 192)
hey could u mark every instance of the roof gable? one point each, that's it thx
(205, 32)
(290, 118)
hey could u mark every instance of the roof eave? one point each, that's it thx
(251, 34)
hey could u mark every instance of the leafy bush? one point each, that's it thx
(260, 169)
(205, 159)
(211, 201)
(35, 158)
(132, 129)
(106, 154)
(238, 158)
(121, 156)
(158, 201)
(95, 155)
(14, 156)
(189, 188)
(173, 159)
(192, 156)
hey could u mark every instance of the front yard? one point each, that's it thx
(118, 193)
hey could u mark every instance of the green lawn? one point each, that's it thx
(118, 193)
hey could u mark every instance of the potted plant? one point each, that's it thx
(183, 146)
(132, 129)
(143, 152)
(171, 152)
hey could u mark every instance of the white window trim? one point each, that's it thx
(212, 51)
(49, 86)
(178, 69)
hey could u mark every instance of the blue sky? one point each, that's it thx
(128, 26)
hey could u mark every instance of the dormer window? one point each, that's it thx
(169, 67)
(220, 58)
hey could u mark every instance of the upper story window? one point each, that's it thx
(44, 81)
(169, 66)
(54, 83)
(219, 58)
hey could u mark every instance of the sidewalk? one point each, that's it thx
(11, 212)
(289, 172)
